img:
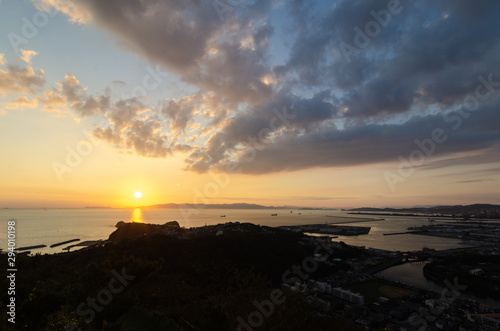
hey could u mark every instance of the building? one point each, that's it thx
(321, 286)
(491, 320)
(347, 295)
(476, 272)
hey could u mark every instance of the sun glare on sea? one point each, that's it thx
(137, 216)
(138, 195)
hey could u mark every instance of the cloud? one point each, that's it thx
(75, 12)
(2, 59)
(268, 106)
(51, 101)
(472, 156)
(130, 126)
(263, 125)
(152, 28)
(189, 39)
(470, 181)
(21, 102)
(76, 97)
(27, 55)
(418, 58)
(399, 73)
(313, 198)
(180, 112)
(127, 124)
(491, 171)
(108, 135)
(145, 138)
(119, 83)
(357, 145)
(189, 111)
(23, 80)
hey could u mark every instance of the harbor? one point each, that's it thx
(344, 230)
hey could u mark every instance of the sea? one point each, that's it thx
(51, 226)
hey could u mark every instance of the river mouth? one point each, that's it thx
(413, 274)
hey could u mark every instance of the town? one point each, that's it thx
(351, 289)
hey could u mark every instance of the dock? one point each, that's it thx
(64, 242)
(29, 247)
(407, 232)
(340, 230)
(86, 244)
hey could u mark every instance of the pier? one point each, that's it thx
(29, 247)
(64, 242)
(85, 244)
(341, 230)
(406, 232)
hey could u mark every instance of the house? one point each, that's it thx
(355, 298)
(476, 272)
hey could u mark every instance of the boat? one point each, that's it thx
(222, 215)
(274, 214)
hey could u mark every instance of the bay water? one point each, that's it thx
(50, 226)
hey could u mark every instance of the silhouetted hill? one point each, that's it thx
(163, 277)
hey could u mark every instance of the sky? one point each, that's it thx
(345, 103)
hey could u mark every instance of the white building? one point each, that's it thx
(355, 298)
(476, 272)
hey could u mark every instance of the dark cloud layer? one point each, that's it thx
(343, 95)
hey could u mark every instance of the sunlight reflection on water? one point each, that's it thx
(137, 216)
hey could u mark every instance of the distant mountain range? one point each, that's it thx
(475, 209)
(225, 206)
(214, 206)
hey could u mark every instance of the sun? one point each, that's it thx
(138, 195)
